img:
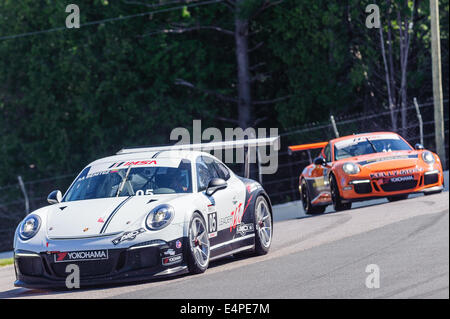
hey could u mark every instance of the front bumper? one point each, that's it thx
(366, 187)
(39, 270)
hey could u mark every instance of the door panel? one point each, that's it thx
(220, 203)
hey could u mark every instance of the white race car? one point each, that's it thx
(143, 213)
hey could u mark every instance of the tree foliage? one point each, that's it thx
(70, 96)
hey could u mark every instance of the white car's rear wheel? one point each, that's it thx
(263, 226)
(263, 229)
(199, 247)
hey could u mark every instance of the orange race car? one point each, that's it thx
(365, 166)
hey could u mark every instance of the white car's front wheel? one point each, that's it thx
(199, 247)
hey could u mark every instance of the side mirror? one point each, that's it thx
(54, 197)
(320, 161)
(214, 185)
(419, 146)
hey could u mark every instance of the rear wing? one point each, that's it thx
(306, 147)
(235, 144)
(255, 142)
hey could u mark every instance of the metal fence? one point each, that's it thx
(18, 199)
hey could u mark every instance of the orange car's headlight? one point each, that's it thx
(351, 168)
(428, 157)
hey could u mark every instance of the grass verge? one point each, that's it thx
(7, 261)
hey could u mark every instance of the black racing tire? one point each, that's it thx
(306, 201)
(336, 196)
(198, 242)
(397, 198)
(263, 226)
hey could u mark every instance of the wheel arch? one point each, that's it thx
(266, 197)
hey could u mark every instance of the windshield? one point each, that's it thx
(136, 178)
(369, 145)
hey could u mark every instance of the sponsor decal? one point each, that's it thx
(117, 164)
(178, 244)
(137, 163)
(169, 252)
(387, 158)
(237, 217)
(166, 261)
(225, 220)
(395, 173)
(211, 208)
(81, 255)
(100, 220)
(401, 179)
(86, 229)
(245, 228)
(130, 235)
(252, 187)
(93, 174)
(134, 163)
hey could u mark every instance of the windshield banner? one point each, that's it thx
(359, 139)
(110, 167)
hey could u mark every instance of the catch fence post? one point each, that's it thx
(333, 122)
(419, 117)
(25, 195)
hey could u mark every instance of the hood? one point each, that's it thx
(101, 216)
(387, 161)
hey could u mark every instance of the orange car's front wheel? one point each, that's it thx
(336, 197)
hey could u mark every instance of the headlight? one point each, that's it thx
(428, 157)
(351, 168)
(160, 217)
(29, 227)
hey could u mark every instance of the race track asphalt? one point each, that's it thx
(322, 256)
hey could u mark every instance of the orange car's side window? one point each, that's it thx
(327, 153)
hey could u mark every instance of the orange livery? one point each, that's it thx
(364, 166)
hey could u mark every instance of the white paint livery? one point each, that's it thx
(119, 222)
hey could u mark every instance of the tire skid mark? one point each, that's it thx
(418, 284)
(424, 227)
(430, 293)
(382, 249)
(341, 219)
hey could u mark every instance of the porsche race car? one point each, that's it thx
(366, 166)
(144, 213)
